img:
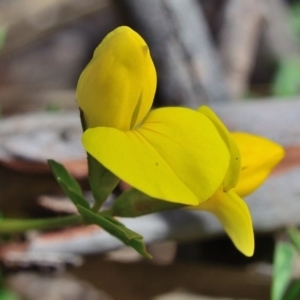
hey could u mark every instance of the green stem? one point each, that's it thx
(107, 212)
(97, 206)
(19, 225)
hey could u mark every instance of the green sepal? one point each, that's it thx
(117, 229)
(70, 186)
(102, 181)
(134, 203)
(282, 269)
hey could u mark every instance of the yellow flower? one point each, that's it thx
(258, 157)
(174, 154)
(117, 87)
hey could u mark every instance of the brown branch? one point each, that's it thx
(280, 36)
(186, 60)
(21, 20)
(239, 39)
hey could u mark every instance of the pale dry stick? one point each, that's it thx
(201, 57)
(25, 20)
(244, 23)
(239, 37)
(180, 43)
(152, 280)
(186, 59)
(26, 142)
(279, 33)
(34, 285)
(149, 19)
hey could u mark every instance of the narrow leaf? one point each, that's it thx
(6, 294)
(283, 265)
(75, 197)
(294, 235)
(294, 291)
(134, 203)
(287, 78)
(117, 229)
(60, 172)
(3, 32)
(68, 183)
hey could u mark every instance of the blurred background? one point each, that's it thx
(240, 57)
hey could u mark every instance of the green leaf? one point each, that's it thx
(294, 235)
(287, 78)
(3, 32)
(70, 186)
(117, 229)
(294, 18)
(76, 198)
(283, 266)
(6, 294)
(53, 107)
(294, 291)
(61, 173)
(133, 203)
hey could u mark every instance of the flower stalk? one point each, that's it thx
(20, 225)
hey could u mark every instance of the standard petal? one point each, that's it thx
(176, 155)
(117, 87)
(232, 177)
(259, 157)
(234, 215)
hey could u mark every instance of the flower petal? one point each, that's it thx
(234, 215)
(259, 157)
(117, 87)
(176, 155)
(232, 177)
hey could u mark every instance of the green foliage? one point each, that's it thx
(287, 79)
(6, 294)
(108, 223)
(53, 107)
(285, 252)
(68, 183)
(294, 291)
(117, 229)
(294, 235)
(2, 36)
(294, 18)
(2, 39)
(134, 203)
(283, 265)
